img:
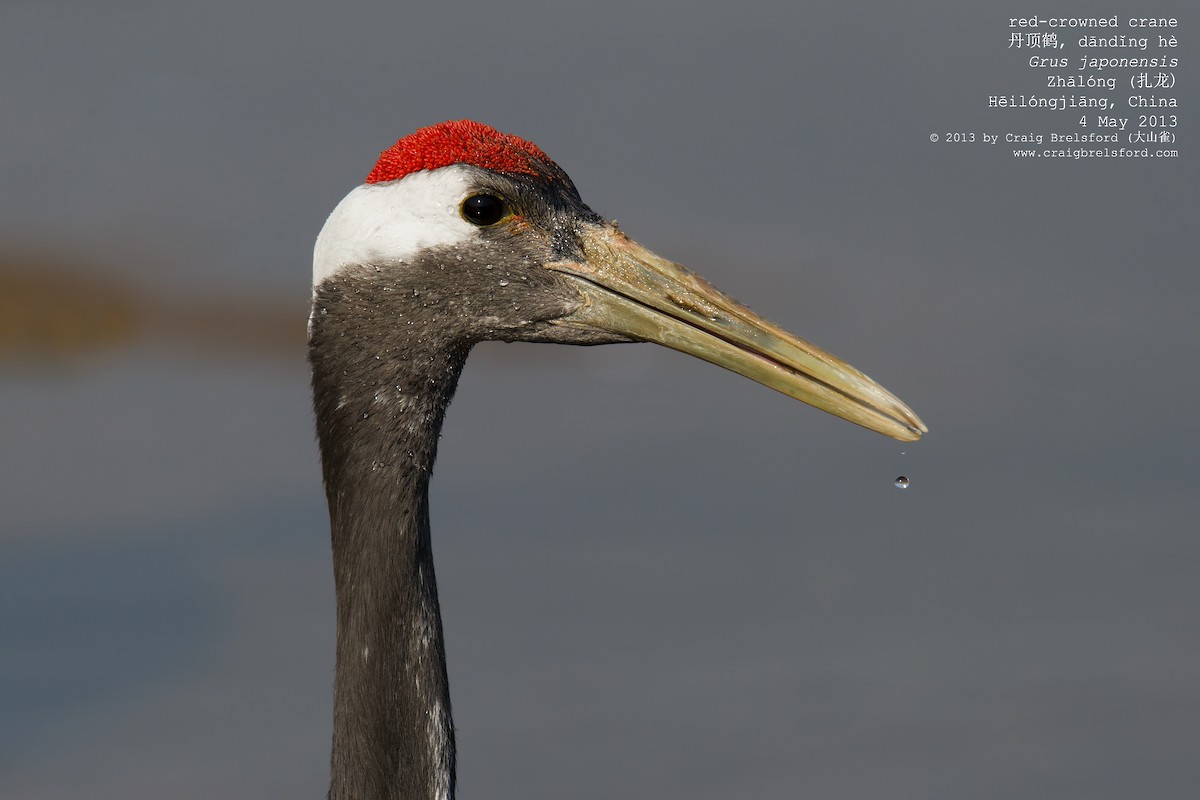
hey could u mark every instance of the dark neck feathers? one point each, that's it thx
(380, 398)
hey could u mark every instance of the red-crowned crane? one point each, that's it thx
(462, 234)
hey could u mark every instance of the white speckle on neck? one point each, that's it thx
(438, 745)
(394, 221)
(422, 649)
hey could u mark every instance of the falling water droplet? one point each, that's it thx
(902, 482)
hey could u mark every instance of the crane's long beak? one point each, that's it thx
(633, 292)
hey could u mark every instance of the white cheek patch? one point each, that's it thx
(394, 221)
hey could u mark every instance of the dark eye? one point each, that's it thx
(484, 209)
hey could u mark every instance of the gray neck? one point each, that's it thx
(378, 422)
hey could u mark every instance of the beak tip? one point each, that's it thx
(917, 428)
(908, 430)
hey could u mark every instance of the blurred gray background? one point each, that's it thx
(658, 579)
